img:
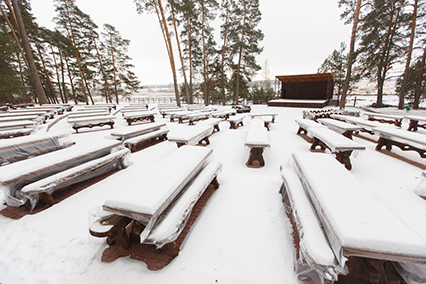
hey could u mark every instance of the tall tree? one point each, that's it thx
(351, 13)
(244, 41)
(380, 46)
(35, 79)
(403, 90)
(156, 6)
(116, 61)
(225, 16)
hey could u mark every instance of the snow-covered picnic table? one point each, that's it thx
(132, 137)
(160, 200)
(357, 223)
(190, 135)
(134, 116)
(91, 121)
(20, 148)
(346, 129)
(21, 173)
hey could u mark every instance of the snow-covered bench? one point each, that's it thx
(416, 121)
(313, 252)
(271, 116)
(196, 116)
(405, 140)
(224, 113)
(191, 135)
(92, 121)
(131, 117)
(157, 208)
(359, 224)
(236, 121)
(81, 114)
(336, 143)
(304, 124)
(212, 122)
(20, 148)
(367, 125)
(385, 118)
(137, 137)
(257, 139)
(19, 174)
(346, 129)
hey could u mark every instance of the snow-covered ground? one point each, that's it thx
(242, 236)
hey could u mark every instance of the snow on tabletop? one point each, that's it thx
(92, 119)
(357, 218)
(136, 129)
(151, 190)
(257, 134)
(189, 134)
(28, 139)
(338, 124)
(180, 210)
(312, 235)
(415, 137)
(138, 114)
(416, 117)
(308, 123)
(22, 168)
(334, 140)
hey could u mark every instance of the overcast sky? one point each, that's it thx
(299, 35)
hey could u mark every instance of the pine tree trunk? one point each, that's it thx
(351, 55)
(225, 35)
(408, 60)
(35, 79)
(57, 75)
(180, 53)
(419, 81)
(106, 87)
(237, 87)
(205, 63)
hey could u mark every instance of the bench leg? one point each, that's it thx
(172, 248)
(316, 142)
(205, 139)
(136, 231)
(301, 130)
(343, 158)
(413, 125)
(383, 142)
(256, 159)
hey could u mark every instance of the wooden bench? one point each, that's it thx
(11, 133)
(131, 117)
(366, 125)
(82, 114)
(304, 124)
(197, 116)
(236, 121)
(385, 118)
(20, 148)
(212, 122)
(268, 115)
(257, 139)
(137, 137)
(156, 208)
(19, 174)
(92, 121)
(416, 121)
(338, 144)
(405, 140)
(17, 128)
(346, 129)
(242, 108)
(360, 226)
(313, 252)
(225, 114)
(191, 135)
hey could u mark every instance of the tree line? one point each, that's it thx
(386, 35)
(75, 61)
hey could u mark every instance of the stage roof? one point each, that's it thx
(306, 77)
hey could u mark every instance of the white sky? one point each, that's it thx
(299, 35)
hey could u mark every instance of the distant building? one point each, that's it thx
(310, 90)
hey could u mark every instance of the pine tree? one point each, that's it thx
(117, 64)
(244, 41)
